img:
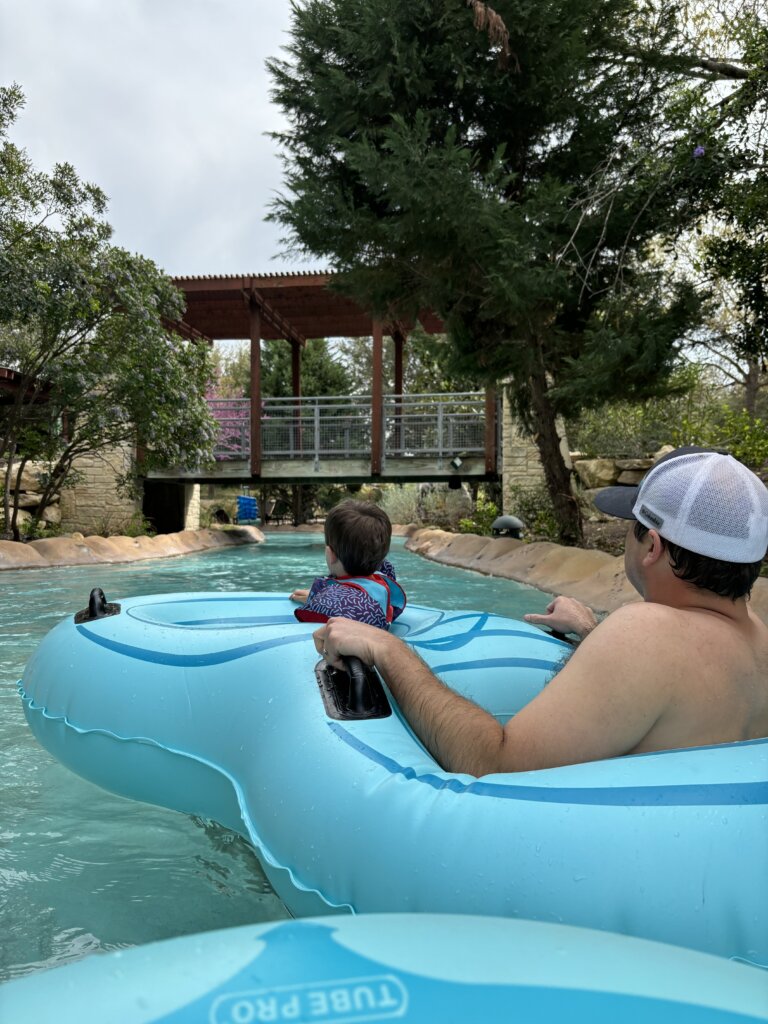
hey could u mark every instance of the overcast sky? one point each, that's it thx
(164, 104)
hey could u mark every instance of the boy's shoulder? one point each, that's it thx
(387, 569)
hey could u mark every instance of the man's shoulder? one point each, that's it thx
(639, 612)
(628, 630)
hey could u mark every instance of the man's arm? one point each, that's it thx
(455, 730)
(600, 705)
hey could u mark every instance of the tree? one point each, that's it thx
(516, 197)
(727, 248)
(429, 364)
(85, 326)
(321, 372)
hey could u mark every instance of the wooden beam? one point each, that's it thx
(275, 319)
(296, 369)
(490, 430)
(255, 335)
(377, 398)
(296, 389)
(398, 337)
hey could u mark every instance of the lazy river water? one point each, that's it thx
(82, 870)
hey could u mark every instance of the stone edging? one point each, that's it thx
(76, 549)
(593, 577)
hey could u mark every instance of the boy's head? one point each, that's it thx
(358, 533)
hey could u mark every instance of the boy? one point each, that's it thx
(361, 584)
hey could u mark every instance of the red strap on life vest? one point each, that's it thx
(304, 615)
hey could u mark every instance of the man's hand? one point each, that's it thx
(566, 615)
(339, 637)
(299, 596)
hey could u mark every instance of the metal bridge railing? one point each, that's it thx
(340, 427)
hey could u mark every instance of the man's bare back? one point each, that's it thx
(720, 690)
(686, 667)
(702, 672)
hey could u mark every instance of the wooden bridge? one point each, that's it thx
(310, 440)
(394, 437)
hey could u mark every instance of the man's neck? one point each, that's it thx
(676, 593)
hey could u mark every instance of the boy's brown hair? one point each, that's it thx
(359, 533)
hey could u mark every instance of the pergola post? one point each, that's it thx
(490, 430)
(398, 336)
(254, 330)
(377, 398)
(297, 442)
(296, 368)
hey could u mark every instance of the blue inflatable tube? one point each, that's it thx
(420, 969)
(215, 705)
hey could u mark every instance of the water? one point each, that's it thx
(82, 870)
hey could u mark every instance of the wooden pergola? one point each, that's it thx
(294, 307)
(11, 382)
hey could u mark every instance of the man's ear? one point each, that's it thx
(656, 548)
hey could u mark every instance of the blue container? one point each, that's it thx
(247, 509)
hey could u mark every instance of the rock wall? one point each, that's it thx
(192, 506)
(80, 550)
(29, 489)
(94, 505)
(520, 460)
(594, 577)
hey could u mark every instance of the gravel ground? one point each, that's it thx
(606, 536)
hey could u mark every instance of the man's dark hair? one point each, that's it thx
(727, 579)
(359, 533)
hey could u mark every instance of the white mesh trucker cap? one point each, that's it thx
(702, 500)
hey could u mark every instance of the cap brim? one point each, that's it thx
(617, 501)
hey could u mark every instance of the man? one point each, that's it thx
(685, 667)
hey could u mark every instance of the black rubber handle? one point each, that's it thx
(97, 603)
(560, 636)
(98, 607)
(360, 696)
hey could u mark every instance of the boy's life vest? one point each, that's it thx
(383, 590)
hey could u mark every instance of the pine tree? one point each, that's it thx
(511, 182)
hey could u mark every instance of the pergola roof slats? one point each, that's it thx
(295, 306)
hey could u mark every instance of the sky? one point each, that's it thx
(164, 104)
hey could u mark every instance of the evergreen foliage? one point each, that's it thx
(85, 326)
(514, 190)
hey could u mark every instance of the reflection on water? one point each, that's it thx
(83, 871)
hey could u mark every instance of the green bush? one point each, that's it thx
(638, 429)
(117, 525)
(439, 507)
(532, 504)
(400, 502)
(482, 518)
(735, 430)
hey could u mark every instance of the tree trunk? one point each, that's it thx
(10, 451)
(298, 502)
(16, 491)
(557, 476)
(751, 386)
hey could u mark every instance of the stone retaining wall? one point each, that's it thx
(79, 550)
(30, 488)
(520, 458)
(94, 504)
